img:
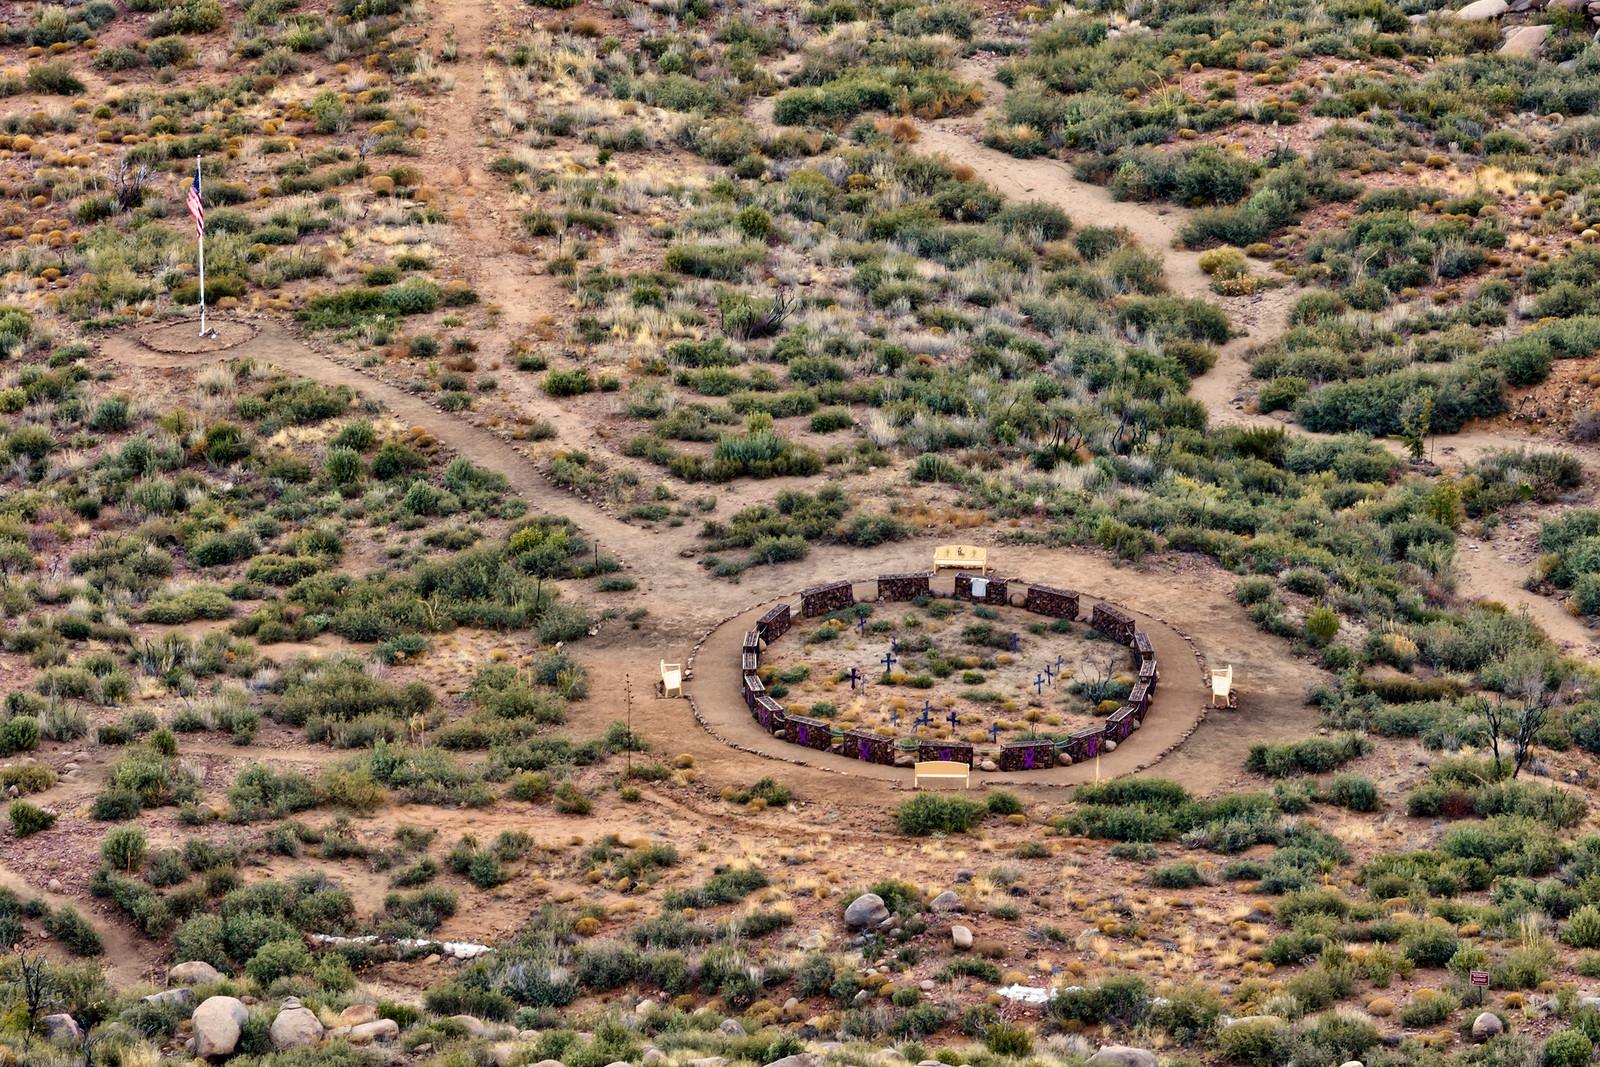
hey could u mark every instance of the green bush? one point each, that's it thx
(1569, 1048)
(124, 849)
(28, 819)
(930, 813)
(1354, 791)
(1582, 929)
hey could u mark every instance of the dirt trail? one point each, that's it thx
(1482, 574)
(125, 958)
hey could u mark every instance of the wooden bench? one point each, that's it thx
(962, 557)
(940, 771)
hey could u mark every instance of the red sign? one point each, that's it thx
(1480, 977)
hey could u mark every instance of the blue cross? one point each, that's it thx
(894, 644)
(861, 623)
(927, 707)
(855, 676)
(955, 720)
(888, 662)
(1059, 661)
(1015, 642)
(1038, 684)
(994, 731)
(923, 720)
(894, 716)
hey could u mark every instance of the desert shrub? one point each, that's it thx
(1569, 1048)
(1582, 929)
(1354, 791)
(68, 926)
(1315, 755)
(124, 848)
(29, 819)
(930, 813)
(1177, 876)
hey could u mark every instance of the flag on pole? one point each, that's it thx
(196, 208)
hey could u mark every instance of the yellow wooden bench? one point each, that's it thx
(940, 771)
(962, 557)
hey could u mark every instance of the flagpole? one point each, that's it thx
(202, 257)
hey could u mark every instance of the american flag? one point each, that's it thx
(195, 207)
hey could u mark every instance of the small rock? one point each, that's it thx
(195, 972)
(474, 1026)
(946, 901)
(927, 985)
(171, 998)
(732, 1028)
(54, 885)
(619, 1063)
(653, 1056)
(380, 1030)
(988, 765)
(1351, 1063)
(1487, 1025)
(964, 876)
(549, 1063)
(961, 937)
(645, 1006)
(62, 1028)
(866, 910)
(813, 941)
(1123, 1056)
(799, 1059)
(218, 1022)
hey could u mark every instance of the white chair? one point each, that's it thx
(1222, 687)
(671, 679)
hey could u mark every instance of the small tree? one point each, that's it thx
(34, 978)
(1416, 421)
(1519, 711)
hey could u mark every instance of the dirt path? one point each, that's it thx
(125, 959)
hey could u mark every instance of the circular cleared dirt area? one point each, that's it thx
(715, 685)
(944, 669)
(183, 338)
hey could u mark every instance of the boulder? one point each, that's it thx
(866, 910)
(1123, 1056)
(474, 1026)
(380, 1030)
(645, 1006)
(171, 998)
(1589, 1002)
(63, 1028)
(218, 1022)
(194, 972)
(946, 901)
(1526, 42)
(1351, 1063)
(732, 1028)
(961, 937)
(1487, 1025)
(504, 1053)
(799, 1059)
(1483, 10)
(549, 1063)
(653, 1056)
(295, 1026)
(356, 1014)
